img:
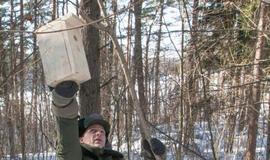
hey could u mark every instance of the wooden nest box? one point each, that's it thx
(62, 52)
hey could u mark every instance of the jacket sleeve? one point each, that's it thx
(66, 111)
(64, 107)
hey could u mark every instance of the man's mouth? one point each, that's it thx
(97, 140)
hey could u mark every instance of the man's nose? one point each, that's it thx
(99, 133)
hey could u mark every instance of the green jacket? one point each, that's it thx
(68, 146)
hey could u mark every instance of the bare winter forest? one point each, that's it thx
(194, 73)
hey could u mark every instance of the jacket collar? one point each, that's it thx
(95, 152)
(92, 150)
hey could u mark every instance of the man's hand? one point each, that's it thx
(158, 148)
(63, 99)
(67, 89)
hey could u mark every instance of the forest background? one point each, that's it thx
(200, 70)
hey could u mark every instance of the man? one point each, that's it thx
(94, 131)
(89, 143)
(93, 137)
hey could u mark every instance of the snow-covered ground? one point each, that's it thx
(201, 140)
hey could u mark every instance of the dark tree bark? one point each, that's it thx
(77, 8)
(90, 90)
(53, 9)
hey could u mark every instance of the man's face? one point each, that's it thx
(94, 136)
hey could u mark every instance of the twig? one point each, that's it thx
(107, 82)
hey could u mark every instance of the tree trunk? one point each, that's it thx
(118, 124)
(181, 85)
(35, 85)
(77, 8)
(191, 79)
(243, 100)
(157, 70)
(128, 107)
(147, 78)
(53, 9)
(138, 54)
(90, 90)
(22, 118)
(232, 112)
(254, 110)
(66, 6)
(57, 8)
(10, 111)
(109, 72)
(5, 90)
